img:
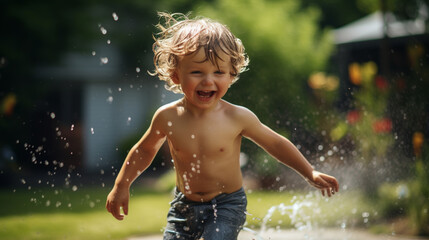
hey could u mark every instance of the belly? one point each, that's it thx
(205, 181)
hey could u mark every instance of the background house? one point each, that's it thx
(98, 108)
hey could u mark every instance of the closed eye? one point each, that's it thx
(195, 72)
(219, 72)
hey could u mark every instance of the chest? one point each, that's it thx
(203, 137)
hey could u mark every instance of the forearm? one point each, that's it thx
(136, 162)
(285, 152)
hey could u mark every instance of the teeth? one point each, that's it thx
(205, 93)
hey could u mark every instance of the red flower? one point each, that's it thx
(353, 116)
(381, 83)
(383, 125)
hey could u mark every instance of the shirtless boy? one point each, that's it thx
(201, 58)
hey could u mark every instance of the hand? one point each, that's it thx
(116, 199)
(327, 184)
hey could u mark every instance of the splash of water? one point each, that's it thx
(295, 212)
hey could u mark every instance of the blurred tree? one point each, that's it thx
(405, 9)
(337, 13)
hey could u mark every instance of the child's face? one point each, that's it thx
(203, 83)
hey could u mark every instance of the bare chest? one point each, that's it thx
(200, 139)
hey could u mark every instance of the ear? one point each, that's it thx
(175, 77)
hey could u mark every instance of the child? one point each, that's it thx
(201, 59)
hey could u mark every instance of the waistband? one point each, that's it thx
(178, 195)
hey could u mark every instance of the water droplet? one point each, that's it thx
(104, 60)
(108, 41)
(72, 127)
(158, 132)
(194, 155)
(52, 115)
(137, 69)
(103, 30)
(74, 188)
(109, 99)
(93, 53)
(92, 130)
(169, 123)
(115, 16)
(193, 136)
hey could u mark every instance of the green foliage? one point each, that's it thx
(264, 165)
(393, 199)
(356, 9)
(337, 13)
(419, 206)
(404, 9)
(167, 182)
(368, 124)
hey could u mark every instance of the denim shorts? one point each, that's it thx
(222, 218)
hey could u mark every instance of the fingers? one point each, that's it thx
(328, 185)
(324, 187)
(125, 208)
(333, 183)
(115, 209)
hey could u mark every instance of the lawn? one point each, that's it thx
(80, 214)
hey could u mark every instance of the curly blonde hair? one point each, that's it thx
(178, 36)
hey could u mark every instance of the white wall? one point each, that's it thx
(115, 111)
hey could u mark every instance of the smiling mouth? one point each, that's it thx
(206, 94)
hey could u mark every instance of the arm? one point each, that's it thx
(137, 161)
(284, 151)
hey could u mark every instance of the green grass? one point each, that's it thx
(67, 214)
(81, 215)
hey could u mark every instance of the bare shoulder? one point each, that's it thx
(241, 114)
(165, 112)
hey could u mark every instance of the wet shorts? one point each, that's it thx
(222, 218)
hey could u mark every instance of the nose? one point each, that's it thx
(208, 80)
